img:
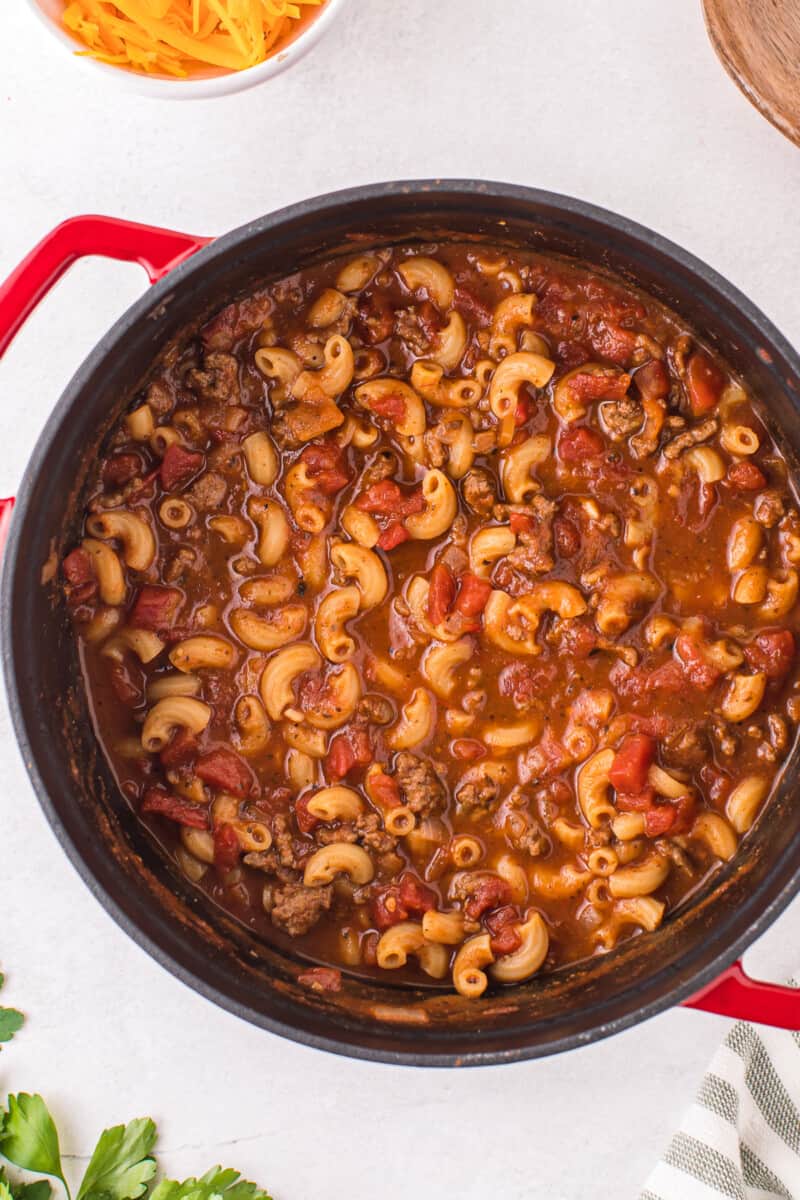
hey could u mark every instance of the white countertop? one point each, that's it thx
(623, 104)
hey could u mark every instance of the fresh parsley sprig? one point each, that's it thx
(123, 1163)
(10, 1022)
(121, 1168)
(24, 1191)
(29, 1138)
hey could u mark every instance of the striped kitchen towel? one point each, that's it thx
(741, 1137)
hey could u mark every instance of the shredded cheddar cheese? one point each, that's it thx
(183, 37)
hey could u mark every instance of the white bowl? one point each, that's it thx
(200, 88)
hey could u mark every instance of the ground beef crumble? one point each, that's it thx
(479, 790)
(622, 417)
(533, 554)
(208, 491)
(218, 379)
(283, 842)
(420, 786)
(296, 908)
(478, 489)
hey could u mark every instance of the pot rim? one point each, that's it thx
(175, 957)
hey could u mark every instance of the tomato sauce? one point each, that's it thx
(438, 612)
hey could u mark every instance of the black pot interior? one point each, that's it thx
(128, 872)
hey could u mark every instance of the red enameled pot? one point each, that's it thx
(691, 960)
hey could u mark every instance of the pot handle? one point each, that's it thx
(6, 507)
(157, 250)
(735, 994)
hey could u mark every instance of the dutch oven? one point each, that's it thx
(690, 960)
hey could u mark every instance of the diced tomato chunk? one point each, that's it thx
(704, 383)
(652, 380)
(383, 498)
(772, 652)
(637, 685)
(746, 477)
(330, 482)
(441, 593)
(659, 820)
(657, 725)
(716, 783)
(77, 568)
(340, 758)
(120, 469)
(698, 671)
(632, 762)
(348, 750)
(490, 892)
(571, 354)
(636, 801)
(386, 908)
(577, 639)
(628, 683)
(543, 761)
(178, 466)
(362, 746)
(611, 341)
(522, 682)
(429, 318)
(412, 502)
(79, 574)
(610, 471)
(473, 595)
(523, 410)
(321, 979)
(236, 320)
(685, 808)
(567, 537)
(706, 499)
(181, 750)
(311, 690)
(326, 466)
(467, 749)
(322, 456)
(397, 902)
(175, 808)
(672, 817)
(415, 896)
(506, 941)
(393, 535)
(385, 790)
(471, 307)
(375, 318)
(224, 769)
(667, 678)
(392, 406)
(306, 821)
(227, 848)
(156, 608)
(386, 499)
(501, 917)
(577, 444)
(606, 384)
(502, 925)
(521, 522)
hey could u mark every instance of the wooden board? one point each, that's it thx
(758, 43)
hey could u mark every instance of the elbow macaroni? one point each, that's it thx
(418, 626)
